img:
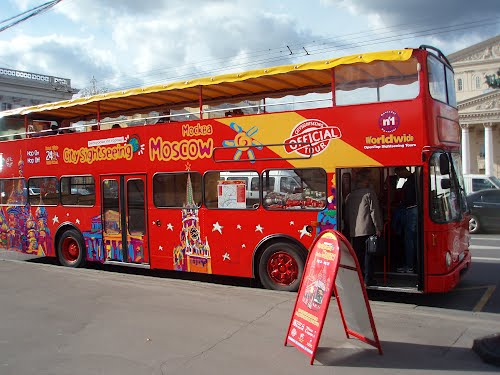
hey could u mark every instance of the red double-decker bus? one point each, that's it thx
(236, 174)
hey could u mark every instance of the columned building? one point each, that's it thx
(478, 106)
(22, 89)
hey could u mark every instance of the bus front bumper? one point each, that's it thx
(444, 283)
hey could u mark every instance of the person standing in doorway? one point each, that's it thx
(364, 219)
(409, 218)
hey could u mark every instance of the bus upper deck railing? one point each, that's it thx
(165, 118)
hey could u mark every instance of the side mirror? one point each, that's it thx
(445, 183)
(444, 164)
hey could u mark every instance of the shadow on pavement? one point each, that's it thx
(404, 356)
(211, 279)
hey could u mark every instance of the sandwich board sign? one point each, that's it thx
(332, 268)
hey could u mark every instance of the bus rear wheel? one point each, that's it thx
(71, 249)
(281, 266)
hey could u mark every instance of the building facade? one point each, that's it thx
(22, 89)
(478, 106)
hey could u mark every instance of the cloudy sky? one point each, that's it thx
(127, 43)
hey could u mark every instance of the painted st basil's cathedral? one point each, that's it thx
(20, 229)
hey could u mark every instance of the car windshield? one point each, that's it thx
(495, 180)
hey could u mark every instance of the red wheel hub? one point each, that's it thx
(282, 268)
(70, 249)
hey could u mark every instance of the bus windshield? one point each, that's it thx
(447, 197)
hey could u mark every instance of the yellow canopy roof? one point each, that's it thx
(268, 82)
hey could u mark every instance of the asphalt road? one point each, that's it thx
(57, 321)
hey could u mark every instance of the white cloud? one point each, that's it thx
(58, 55)
(134, 42)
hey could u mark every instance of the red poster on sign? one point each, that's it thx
(331, 268)
(314, 294)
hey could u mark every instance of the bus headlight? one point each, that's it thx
(448, 259)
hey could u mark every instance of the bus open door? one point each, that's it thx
(124, 219)
(393, 269)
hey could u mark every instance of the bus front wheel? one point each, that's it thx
(281, 266)
(71, 249)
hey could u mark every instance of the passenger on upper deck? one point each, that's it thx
(54, 129)
(48, 129)
(234, 112)
(164, 116)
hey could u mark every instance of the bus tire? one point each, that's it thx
(71, 249)
(474, 225)
(281, 266)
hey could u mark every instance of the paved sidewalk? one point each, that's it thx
(55, 320)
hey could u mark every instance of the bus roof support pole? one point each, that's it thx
(200, 99)
(98, 115)
(333, 88)
(26, 124)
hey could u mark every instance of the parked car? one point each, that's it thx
(485, 210)
(476, 182)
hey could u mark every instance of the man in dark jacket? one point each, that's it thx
(409, 213)
(364, 219)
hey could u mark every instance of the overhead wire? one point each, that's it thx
(21, 17)
(283, 54)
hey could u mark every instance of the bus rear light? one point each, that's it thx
(448, 259)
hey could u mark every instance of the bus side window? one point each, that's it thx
(221, 183)
(298, 189)
(43, 191)
(170, 189)
(77, 190)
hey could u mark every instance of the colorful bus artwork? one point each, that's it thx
(236, 174)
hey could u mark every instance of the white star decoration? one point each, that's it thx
(243, 245)
(304, 231)
(292, 222)
(77, 221)
(160, 248)
(217, 227)
(170, 227)
(226, 256)
(67, 214)
(258, 228)
(55, 219)
(238, 226)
